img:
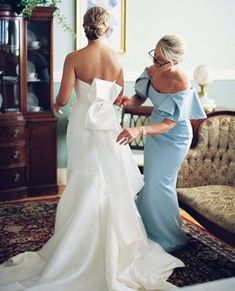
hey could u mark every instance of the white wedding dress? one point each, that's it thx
(99, 243)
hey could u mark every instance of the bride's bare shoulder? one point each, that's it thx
(71, 56)
(77, 53)
(78, 56)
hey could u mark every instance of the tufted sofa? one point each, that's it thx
(206, 180)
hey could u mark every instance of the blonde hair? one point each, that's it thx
(95, 21)
(172, 48)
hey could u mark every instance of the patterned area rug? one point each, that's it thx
(26, 226)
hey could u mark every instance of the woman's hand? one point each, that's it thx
(128, 135)
(123, 101)
(57, 108)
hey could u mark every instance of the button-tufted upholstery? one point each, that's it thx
(212, 162)
(206, 180)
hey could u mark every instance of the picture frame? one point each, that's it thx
(116, 36)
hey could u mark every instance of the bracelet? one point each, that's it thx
(143, 131)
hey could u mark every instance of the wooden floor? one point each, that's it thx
(189, 217)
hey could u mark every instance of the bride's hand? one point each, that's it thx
(123, 101)
(58, 109)
(128, 135)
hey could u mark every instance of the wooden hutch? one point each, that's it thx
(28, 159)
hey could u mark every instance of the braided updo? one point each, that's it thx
(95, 21)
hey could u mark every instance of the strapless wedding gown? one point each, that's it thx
(99, 243)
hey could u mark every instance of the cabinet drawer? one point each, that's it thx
(12, 155)
(12, 133)
(12, 178)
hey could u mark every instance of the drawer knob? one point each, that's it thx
(16, 133)
(16, 177)
(16, 155)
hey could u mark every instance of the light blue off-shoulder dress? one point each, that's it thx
(163, 156)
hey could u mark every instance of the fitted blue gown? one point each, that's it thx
(163, 156)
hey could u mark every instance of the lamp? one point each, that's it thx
(203, 76)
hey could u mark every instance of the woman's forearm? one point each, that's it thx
(137, 100)
(154, 129)
(129, 134)
(165, 126)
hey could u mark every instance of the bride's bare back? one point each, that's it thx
(96, 60)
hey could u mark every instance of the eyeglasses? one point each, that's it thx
(155, 60)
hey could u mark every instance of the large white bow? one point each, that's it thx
(101, 116)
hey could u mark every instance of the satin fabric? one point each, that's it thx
(163, 156)
(99, 241)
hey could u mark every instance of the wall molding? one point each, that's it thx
(218, 75)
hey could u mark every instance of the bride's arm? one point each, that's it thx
(67, 83)
(120, 82)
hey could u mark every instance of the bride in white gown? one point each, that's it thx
(99, 243)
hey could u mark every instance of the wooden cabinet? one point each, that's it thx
(27, 124)
(41, 154)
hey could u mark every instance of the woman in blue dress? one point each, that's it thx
(169, 136)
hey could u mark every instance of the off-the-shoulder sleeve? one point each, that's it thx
(181, 106)
(142, 85)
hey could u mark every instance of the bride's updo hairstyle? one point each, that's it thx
(172, 48)
(95, 21)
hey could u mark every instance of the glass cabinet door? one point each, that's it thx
(9, 65)
(38, 65)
